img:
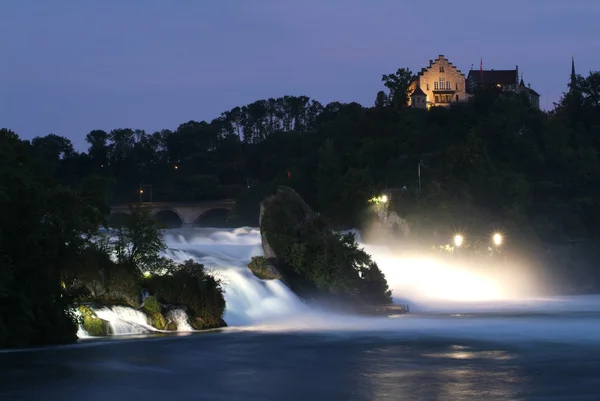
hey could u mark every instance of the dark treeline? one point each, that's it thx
(493, 156)
(491, 162)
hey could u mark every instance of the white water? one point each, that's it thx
(124, 320)
(226, 253)
(180, 318)
(424, 283)
(466, 301)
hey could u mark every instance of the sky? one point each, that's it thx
(71, 66)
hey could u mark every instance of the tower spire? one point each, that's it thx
(573, 75)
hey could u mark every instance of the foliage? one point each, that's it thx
(42, 224)
(151, 305)
(139, 241)
(313, 259)
(398, 84)
(93, 276)
(490, 163)
(93, 325)
(192, 286)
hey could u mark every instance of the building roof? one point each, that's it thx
(522, 85)
(432, 62)
(493, 76)
(418, 92)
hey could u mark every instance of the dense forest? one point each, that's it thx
(493, 157)
(493, 162)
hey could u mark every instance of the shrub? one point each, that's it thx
(191, 286)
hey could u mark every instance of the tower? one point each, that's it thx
(573, 75)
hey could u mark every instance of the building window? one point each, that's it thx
(427, 86)
(435, 85)
(457, 86)
(457, 98)
(448, 85)
(441, 68)
(437, 98)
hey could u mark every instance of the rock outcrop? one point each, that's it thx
(312, 259)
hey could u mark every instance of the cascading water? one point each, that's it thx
(180, 318)
(226, 253)
(251, 301)
(124, 320)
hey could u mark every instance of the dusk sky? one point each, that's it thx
(70, 66)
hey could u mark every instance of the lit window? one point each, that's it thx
(448, 85)
(435, 85)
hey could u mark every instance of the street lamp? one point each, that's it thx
(458, 240)
(384, 198)
(497, 238)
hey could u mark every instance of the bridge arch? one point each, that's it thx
(169, 218)
(214, 217)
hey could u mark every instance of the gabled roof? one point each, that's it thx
(493, 76)
(432, 62)
(418, 92)
(522, 85)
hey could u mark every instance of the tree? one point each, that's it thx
(398, 84)
(42, 226)
(139, 241)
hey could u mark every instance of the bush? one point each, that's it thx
(151, 305)
(191, 286)
(94, 277)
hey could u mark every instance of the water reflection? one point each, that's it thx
(450, 372)
(303, 366)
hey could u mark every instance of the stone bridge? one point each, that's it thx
(183, 214)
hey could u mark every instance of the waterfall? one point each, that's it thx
(180, 318)
(124, 320)
(226, 254)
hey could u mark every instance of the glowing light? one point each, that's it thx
(379, 199)
(176, 167)
(458, 240)
(427, 279)
(141, 191)
(497, 239)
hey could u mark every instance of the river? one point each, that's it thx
(461, 345)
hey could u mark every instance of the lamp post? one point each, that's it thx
(142, 186)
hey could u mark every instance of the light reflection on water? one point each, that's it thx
(305, 366)
(464, 374)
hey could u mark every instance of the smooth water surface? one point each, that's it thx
(495, 356)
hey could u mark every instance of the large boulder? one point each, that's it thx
(315, 261)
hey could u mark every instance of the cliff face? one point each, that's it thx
(268, 253)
